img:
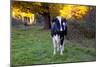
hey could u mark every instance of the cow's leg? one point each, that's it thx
(61, 45)
(54, 45)
(58, 42)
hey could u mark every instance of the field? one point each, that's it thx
(34, 46)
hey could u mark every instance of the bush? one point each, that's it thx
(80, 29)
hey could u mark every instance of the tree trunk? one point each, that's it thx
(46, 16)
(47, 23)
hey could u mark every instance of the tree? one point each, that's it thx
(49, 10)
(41, 8)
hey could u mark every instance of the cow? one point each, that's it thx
(58, 32)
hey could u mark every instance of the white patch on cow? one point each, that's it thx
(64, 25)
(56, 43)
(61, 49)
(59, 18)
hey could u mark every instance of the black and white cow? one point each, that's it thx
(58, 31)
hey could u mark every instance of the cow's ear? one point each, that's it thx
(52, 20)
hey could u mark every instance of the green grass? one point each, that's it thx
(33, 47)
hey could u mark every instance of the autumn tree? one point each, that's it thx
(50, 10)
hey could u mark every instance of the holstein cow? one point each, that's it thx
(58, 31)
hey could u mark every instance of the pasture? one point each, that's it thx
(34, 46)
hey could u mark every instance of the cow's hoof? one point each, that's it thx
(61, 53)
(54, 53)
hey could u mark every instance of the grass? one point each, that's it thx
(34, 46)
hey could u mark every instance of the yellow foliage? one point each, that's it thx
(70, 11)
(67, 11)
(17, 13)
